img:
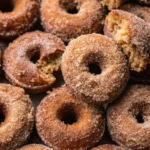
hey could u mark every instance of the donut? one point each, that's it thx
(35, 147)
(138, 10)
(94, 68)
(19, 18)
(108, 147)
(146, 2)
(32, 60)
(128, 118)
(16, 117)
(112, 4)
(132, 34)
(67, 123)
(69, 19)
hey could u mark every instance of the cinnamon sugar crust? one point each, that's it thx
(132, 34)
(128, 118)
(59, 19)
(34, 75)
(102, 51)
(108, 147)
(35, 147)
(16, 107)
(64, 122)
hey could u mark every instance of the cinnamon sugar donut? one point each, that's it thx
(112, 4)
(19, 19)
(129, 118)
(35, 147)
(95, 68)
(32, 59)
(69, 19)
(108, 147)
(16, 114)
(67, 123)
(146, 2)
(142, 12)
(132, 34)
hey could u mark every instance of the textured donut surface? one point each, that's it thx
(35, 147)
(57, 20)
(146, 2)
(21, 70)
(99, 50)
(129, 118)
(16, 107)
(64, 122)
(20, 20)
(132, 34)
(108, 147)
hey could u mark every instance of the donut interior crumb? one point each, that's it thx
(46, 68)
(111, 3)
(121, 34)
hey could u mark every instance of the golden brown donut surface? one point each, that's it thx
(58, 18)
(108, 147)
(132, 34)
(112, 4)
(35, 147)
(79, 61)
(21, 66)
(67, 123)
(17, 111)
(21, 19)
(129, 118)
(142, 12)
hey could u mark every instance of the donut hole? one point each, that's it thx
(6, 5)
(140, 118)
(35, 57)
(67, 114)
(2, 114)
(120, 31)
(94, 68)
(69, 6)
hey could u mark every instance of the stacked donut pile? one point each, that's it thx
(102, 48)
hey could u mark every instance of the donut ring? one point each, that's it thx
(91, 51)
(20, 20)
(108, 147)
(35, 147)
(113, 4)
(89, 17)
(129, 118)
(70, 123)
(16, 107)
(140, 11)
(132, 34)
(22, 71)
(146, 2)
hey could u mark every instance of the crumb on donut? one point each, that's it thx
(46, 68)
(122, 35)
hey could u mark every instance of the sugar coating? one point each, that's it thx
(95, 48)
(81, 135)
(56, 20)
(142, 12)
(18, 111)
(108, 147)
(20, 20)
(34, 77)
(122, 122)
(35, 147)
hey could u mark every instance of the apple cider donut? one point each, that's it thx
(94, 68)
(69, 19)
(145, 2)
(132, 34)
(67, 123)
(16, 114)
(32, 59)
(19, 19)
(35, 147)
(142, 12)
(112, 4)
(129, 118)
(108, 147)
